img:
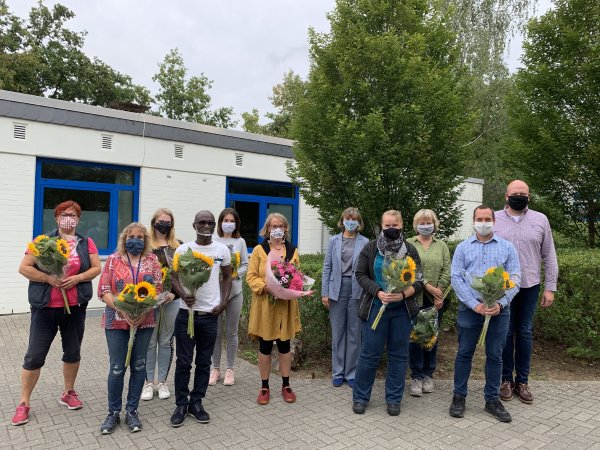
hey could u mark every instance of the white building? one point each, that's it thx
(121, 166)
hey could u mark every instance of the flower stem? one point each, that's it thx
(481, 341)
(378, 318)
(191, 323)
(64, 295)
(132, 331)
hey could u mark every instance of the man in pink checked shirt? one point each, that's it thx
(530, 233)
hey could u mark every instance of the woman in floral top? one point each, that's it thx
(131, 263)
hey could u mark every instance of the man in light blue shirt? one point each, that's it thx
(472, 258)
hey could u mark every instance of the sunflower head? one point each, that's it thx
(176, 262)
(509, 284)
(41, 238)
(412, 266)
(407, 276)
(505, 276)
(165, 273)
(207, 259)
(144, 290)
(63, 247)
(33, 249)
(491, 270)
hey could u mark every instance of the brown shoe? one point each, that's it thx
(522, 391)
(506, 391)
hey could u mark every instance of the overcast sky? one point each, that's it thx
(244, 46)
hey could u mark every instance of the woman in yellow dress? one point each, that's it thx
(272, 320)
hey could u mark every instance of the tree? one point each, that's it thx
(385, 117)
(555, 111)
(286, 96)
(43, 57)
(187, 100)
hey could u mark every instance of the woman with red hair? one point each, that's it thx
(47, 309)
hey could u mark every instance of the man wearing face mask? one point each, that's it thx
(207, 302)
(473, 257)
(530, 233)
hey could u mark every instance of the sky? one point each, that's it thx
(244, 46)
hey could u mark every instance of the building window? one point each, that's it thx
(254, 200)
(108, 196)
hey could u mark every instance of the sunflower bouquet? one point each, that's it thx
(166, 282)
(51, 255)
(193, 270)
(426, 326)
(135, 300)
(235, 263)
(491, 286)
(398, 273)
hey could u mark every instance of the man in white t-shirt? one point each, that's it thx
(207, 302)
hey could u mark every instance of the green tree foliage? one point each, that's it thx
(42, 56)
(385, 117)
(286, 96)
(555, 111)
(187, 99)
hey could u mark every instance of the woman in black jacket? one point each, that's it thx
(395, 325)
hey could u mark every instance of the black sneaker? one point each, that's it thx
(178, 416)
(457, 408)
(393, 409)
(133, 421)
(358, 408)
(197, 411)
(496, 408)
(111, 421)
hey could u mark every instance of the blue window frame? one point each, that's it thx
(254, 200)
(108, 195)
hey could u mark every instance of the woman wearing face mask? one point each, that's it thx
(133, 262)
(160, 349)
(47, 309)
(272, 322)
(341, 292)
(436, 261)
(228, 229)
(394, 327)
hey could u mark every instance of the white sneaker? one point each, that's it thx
(148, 391)
(427, 385)
(229, 379)
(163, 391)
(215, 375)
(416, 388)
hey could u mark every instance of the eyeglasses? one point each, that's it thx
(68, 215)
(203, 223)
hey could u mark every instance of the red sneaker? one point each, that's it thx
(288, 394)
(21, 415)
(71, 400)
(263, 397)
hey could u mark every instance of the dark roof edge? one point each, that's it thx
(46, 110)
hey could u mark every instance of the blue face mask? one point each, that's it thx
(134, 246)
(228, 227)
(350, 225)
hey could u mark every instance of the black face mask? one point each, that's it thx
(518, 202)
(162, 228)
(392, 234)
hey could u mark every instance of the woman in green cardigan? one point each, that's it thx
(436, 261)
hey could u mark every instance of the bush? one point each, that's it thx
(574, 317)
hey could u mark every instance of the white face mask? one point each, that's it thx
(277, 233)
(483, 228)
(228, 227)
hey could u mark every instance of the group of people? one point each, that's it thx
(353, 289)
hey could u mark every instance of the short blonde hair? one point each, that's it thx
(351, 212)
(393, 212)
(264, 231)
(426, 214)
(171, 240)
(121, 249)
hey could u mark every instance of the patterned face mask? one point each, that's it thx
(277, 233)
(67, 222)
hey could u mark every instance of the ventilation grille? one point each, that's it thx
(178, 151)
(106, 142)
(239, 159)
(19, 131)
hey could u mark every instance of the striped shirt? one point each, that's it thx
(532, 238)
(473, 257)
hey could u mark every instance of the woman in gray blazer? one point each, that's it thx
(341, 292)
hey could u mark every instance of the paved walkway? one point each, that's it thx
(564, 415)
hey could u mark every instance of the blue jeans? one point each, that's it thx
(345, 332)
(205, 334)
(161, 342)
(519, 339)
(422, 362)
(393, 330)
(469, 325)
(117, 341)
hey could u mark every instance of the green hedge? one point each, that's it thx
(573, 319)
